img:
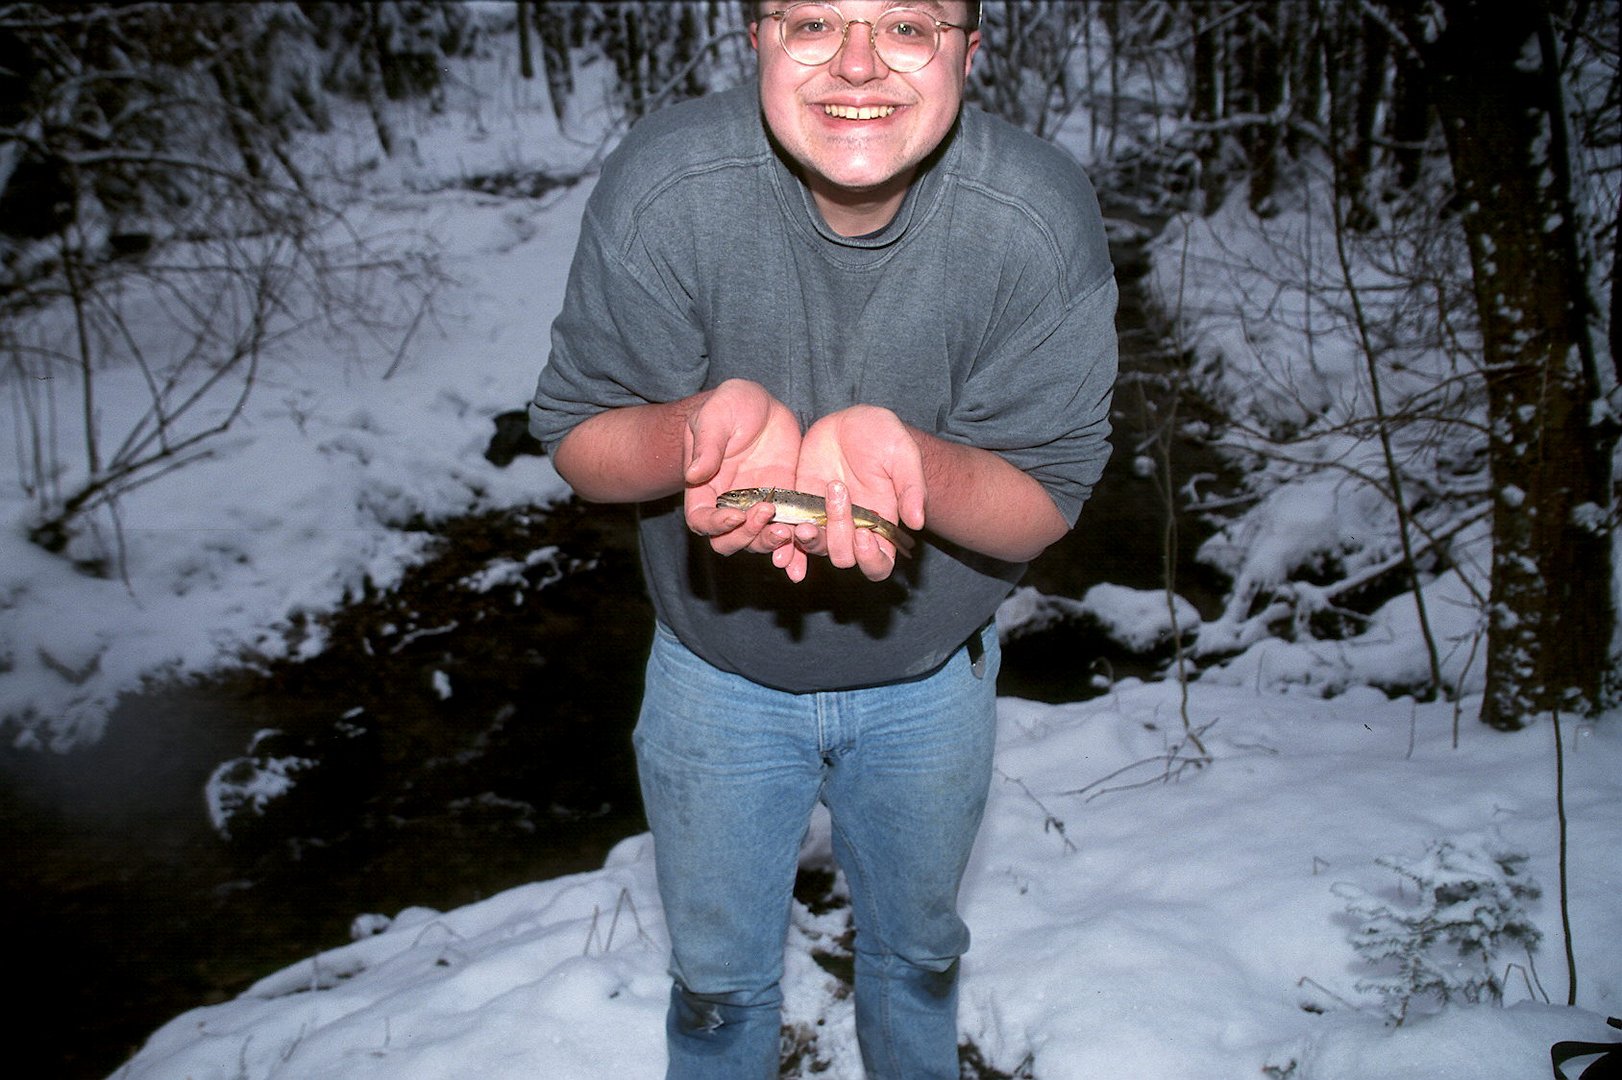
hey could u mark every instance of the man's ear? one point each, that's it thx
(968, 55)
(754, 36)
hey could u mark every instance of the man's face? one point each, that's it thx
(857, 129)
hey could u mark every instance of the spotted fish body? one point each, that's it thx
(796, 507)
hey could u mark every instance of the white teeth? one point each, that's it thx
(866, 112)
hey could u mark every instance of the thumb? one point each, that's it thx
(910, 506)
(705, 452)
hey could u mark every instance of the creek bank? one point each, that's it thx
(460, 734)
(1122, 535)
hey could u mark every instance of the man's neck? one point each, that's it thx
(859, 213)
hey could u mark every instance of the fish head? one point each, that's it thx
(743, 498)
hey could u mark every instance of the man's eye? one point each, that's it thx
(905, 30)
(810, 28)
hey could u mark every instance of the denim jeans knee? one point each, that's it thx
(730, 773)
(728, 785)
(906, 799)
(723, 1036)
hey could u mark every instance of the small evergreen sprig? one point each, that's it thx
(1457, 907)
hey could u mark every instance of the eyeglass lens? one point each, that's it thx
(904, 39)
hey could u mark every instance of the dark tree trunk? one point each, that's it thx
(553, 30)
(1410, 115)
(1206, 100)
(1552, 612)
(526, 55)
(1264, 79)
(1368, 97)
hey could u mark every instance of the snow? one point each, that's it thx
(1135, 912)
(1143, 925)
(314, 491)
(250, 782)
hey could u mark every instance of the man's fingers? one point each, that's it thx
(714, 521)
(840, 528)
(792, 561)
(810, 538)
(874, 556)
(790, 547)
(702, 463)
(771, 539)
(910, 506)
(703, 453)
(730, 531)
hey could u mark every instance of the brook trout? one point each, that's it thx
(794, 507)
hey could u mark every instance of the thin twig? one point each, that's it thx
(1051, 822)
(1306, 980)
(1565, 893)
(1175, 766)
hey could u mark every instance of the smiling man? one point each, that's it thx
(857, 128)
(840, 283)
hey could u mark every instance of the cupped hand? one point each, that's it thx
(740, 436)
(863, 455)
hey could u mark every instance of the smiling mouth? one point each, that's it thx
(864, 112)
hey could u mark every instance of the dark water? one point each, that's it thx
(1122, 533)
(125, 908)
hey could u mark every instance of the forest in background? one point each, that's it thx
(1455, 163)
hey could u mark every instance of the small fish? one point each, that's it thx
(794, 507)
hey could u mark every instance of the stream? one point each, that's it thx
(455, 739)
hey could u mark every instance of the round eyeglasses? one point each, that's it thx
(905, 39)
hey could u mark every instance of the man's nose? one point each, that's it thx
(857, 61)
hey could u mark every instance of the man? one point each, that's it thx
(841, 281)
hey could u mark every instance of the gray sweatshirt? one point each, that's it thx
(983, 313)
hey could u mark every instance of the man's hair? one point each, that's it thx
(762, 6)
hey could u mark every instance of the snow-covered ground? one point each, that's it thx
(1125, 923)
(1134, 914)
(311, 493)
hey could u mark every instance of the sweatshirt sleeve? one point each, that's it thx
(1041, 387)
(624, 336)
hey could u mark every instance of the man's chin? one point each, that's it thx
(865, 183)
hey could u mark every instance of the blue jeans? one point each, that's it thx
(730, 773)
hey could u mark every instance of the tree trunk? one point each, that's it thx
(1205, 106)
(1265, 76)
(555, 56)
(1410, 116)
(526, 58)
(1369, 103)
(1552, 609)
